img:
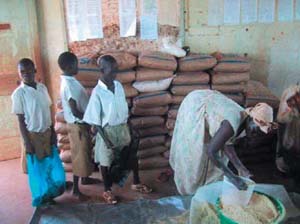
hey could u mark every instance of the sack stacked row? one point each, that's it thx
(230, 76)
(148, 113)
(62, 138)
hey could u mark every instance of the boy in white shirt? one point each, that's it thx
(74, 101)
(31, 103)
(107, 111)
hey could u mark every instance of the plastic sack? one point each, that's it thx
(152, 86)
(169, 47)
(46, 177)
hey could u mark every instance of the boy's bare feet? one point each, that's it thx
(109, 198)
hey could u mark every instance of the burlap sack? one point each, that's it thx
(130, 91)
(63, 139)
(61, 128)
(153, 131)
(191, 78)
(166, 154)
(196, 62)
(88, 70)
(168, 142)
(65, 156)
(146, 122)
(154, 111)
(238, 98)
(152, 86)
(149, 142)
(172, 113)
(183, 90)
(125, 76)
(124, 60)
(227, 78)
(230, 88)
(170, 133)
(146, 153)
(59, 117)
(170, 124)
(177, 99)
(257, 92)
(129, 102)
(150, 100)
(153, 163)
(144, 74)
(232, 64)
(157, 60)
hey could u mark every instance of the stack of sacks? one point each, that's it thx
(62, 138)
(154, 76)
(257, 92)
(88, 73)
(230, 77)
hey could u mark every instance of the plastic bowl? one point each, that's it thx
(280, 208)
(231, 195)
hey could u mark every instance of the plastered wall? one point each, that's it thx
(274, 49)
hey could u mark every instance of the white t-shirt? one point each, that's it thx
(34, 104)
(71, 88)
(105, 107)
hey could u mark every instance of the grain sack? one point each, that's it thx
(166, 154)
(146, 153)
(191, 78)
(238, 98)
(183, 90)
(170, 124)
(168, 142)
(153, 163)
(144, 74)
(61, 128)
(155, 99)
(129, 102)
(230, 88)
(88, 84)
(227, 78)
(153, 131)
(65, 156)
(232, 64)
(257, 92)
(154, 111)
(152, 86)
(196, 62)
(149, 142)
(63, 139)
(125, 76)
(68, 167)
(124, 60)
(146, 122)
(170, 133)
(88, 70)
(130, 91)
(59, 117)
(177, 99)
(172, 113)
(157, 60)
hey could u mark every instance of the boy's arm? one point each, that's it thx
(24, 132)
(74, 109)
(100, 130)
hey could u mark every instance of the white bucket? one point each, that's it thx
(231, 195)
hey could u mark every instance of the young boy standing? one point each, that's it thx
(74, 101)
(107, 111)
(31, 103)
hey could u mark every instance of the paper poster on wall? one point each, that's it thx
(285, 10)
(232, 12)
(266, 11)
(249, 11)
(297, 10)
(84, 19)
(215, 12)
(149, 21)
(127, 17)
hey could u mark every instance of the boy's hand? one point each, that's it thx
(29, 148)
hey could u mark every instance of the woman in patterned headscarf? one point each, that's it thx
(207, 125)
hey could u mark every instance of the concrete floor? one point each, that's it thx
(15, 199)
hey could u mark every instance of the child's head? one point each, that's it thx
(108, 67)
(26, 70)
(68, 63)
